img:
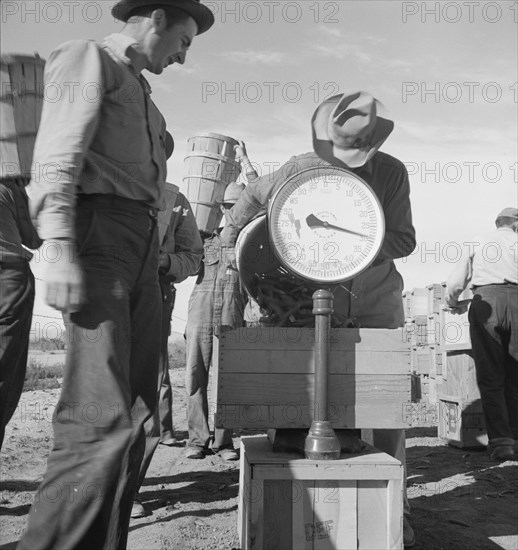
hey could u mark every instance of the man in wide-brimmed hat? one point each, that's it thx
(348, 132)
(99, 179)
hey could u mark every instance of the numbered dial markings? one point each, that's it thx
(326, 225)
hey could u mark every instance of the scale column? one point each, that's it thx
(321, 442)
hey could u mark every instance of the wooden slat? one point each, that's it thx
(395, 513)
(293, 466)
(344, 389)
(335, 514)
(255, 526)
(339, 471)
(264, 417)
(303, 339)
(277, 505)
(302, 524)
(460, 377)
(372, 510)
(303, 361)
(286, 401)
(243, 506)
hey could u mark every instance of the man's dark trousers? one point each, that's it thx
(109, 385)
(162, 416)
(493, 318)
(16, 303)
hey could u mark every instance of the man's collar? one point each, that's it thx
(118, 44)
(365, 169)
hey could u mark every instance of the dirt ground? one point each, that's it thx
(460, 499)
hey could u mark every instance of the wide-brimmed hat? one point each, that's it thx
(508, 212)
(200, 13)
(347, 127)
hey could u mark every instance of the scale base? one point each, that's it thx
(293, 440)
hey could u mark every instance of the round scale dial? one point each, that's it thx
(326, 225)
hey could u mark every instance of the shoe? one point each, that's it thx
(408, 534)
(138, 510)
(503, 452)
(230, 455)
(169, 442)
(195, 453)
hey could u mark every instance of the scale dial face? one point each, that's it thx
(326, 225)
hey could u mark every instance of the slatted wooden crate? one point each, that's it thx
(461, 420)
(435, 297)
(454, 328)
(416, 330)
(415, 302)
(288, 502)
(265, 378)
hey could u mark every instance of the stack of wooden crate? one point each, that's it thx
(422, 324)
(442, 365)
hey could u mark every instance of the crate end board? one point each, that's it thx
(461, 424)
(283, 504)
(265, 378)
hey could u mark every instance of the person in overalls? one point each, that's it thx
(217, 300)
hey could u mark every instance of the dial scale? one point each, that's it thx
(326, 225)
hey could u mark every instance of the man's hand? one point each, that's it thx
(240, 150)
(64, 279)
(164, 262)
(455, 307)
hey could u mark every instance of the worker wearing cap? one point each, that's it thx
(347, 132)
(490, 265)
(216, 300)
(99, 178)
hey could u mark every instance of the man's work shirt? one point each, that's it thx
(489, 259)
(373, 298)
(15, 225)
(181, 241)
(101, 133)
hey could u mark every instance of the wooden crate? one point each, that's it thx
(461, 421)
(416, 330)
(454, 329)
(427, 364)
(421, 360)
(265, 378)
(461, 424)
(415, 302)
(288, 502)
(435, 298)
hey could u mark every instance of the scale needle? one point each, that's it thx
(313, 221)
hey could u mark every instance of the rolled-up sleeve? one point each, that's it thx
(71, 110)
(256, 196)
(459, 279)
(185, 248)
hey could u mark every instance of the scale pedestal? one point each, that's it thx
(321, 442)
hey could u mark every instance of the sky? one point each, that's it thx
(446, 73)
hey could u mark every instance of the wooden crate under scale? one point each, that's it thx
(288, 502)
